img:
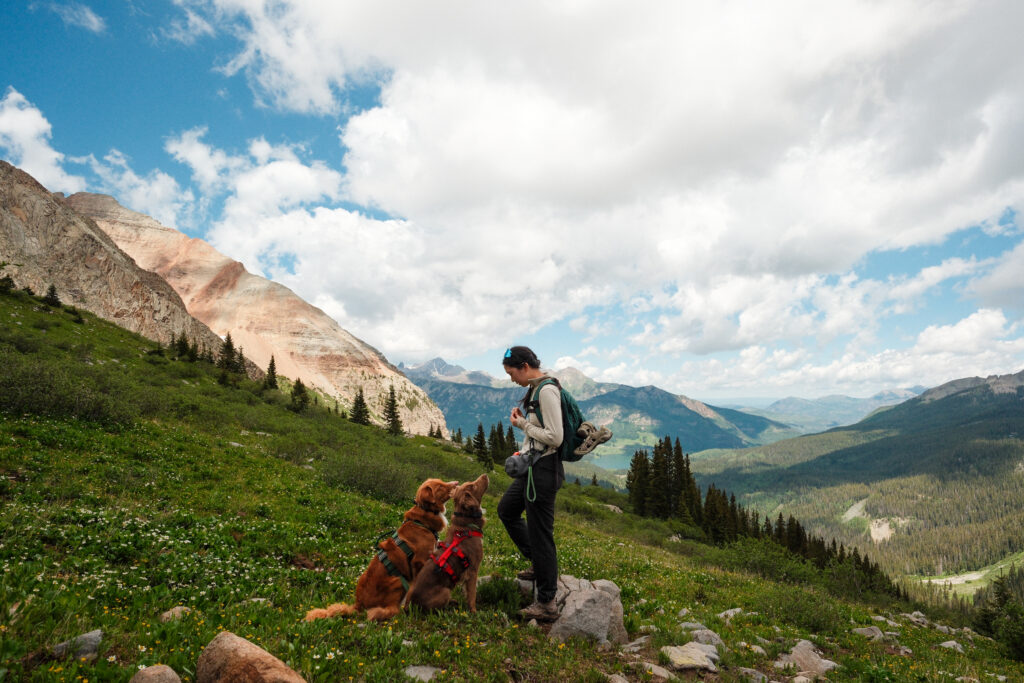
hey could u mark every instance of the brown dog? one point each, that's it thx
(457, 560)
(380, 588)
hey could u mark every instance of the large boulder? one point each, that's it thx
(231, 659)
(590, 610)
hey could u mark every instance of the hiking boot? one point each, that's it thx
(541, 611)
(527, 574)
(595, 437)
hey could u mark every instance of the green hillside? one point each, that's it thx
(941, 476)
(134, 482)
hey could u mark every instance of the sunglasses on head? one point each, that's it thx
(508, 353)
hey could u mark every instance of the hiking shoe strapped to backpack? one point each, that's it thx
(592, 437)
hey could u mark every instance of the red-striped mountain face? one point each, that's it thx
(263, 317)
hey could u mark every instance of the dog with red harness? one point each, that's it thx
(455, 561)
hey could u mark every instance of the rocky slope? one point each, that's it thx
(263, 317)
(46, 242)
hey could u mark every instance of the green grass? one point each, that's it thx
(177, 490)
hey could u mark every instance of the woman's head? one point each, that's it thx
(517, 356)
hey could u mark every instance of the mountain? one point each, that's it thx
(47, 243)
(439, 369)
(935, 484)
(817, 415)
(638, 416)
(263, 317)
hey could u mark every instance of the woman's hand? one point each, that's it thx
(517, 418)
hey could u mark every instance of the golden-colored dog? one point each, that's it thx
(457, 560)
(380, 592)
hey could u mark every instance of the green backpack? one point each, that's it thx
(572, 418)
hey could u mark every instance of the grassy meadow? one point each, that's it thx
(132, 483)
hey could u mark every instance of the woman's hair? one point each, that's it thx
(516, 356)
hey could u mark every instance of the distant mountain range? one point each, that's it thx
(638, 416)
(936, 482)
(827, 412)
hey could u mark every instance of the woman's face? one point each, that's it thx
(518, 375)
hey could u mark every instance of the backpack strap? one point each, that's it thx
(533, 405)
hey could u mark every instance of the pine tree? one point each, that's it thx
(300, 397)
(458, 435)
(392, 420)
(511, 445)
(270, 381)
(593, 480)
(480, 441)
(360, 413)
(638, 481)
(658, 491)
(51, 298)
(181, 347)
(226, 360)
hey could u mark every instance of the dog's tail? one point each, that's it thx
(337, 609)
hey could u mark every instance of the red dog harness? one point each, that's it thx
(444, 561)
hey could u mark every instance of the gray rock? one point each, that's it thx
(756, 649)
(872, 632)
(683, 612)
(585, 613)
(161, 673)
(752, 675)
(707, 637)
(728, 614)
(692, 657)
(659, 671)
(805, 658)
(175, 613)
(85, 646)
(421, 673)
(952, 645)
(616, 678)
(691, 625)
(637, 644)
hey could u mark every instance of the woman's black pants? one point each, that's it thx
(534, 536)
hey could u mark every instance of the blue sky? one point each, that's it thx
(723, 200)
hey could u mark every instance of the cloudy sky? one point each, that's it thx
(725, 199)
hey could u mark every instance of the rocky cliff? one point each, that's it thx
(263, 317)
(48, 243)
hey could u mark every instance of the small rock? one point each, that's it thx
(421, 673)
(904, 651)
(752, 675)
(872, 632)
(756, 649)
(952, 645)
(85, 646)
(804, 657)
(691, 625)
(659, 671)
(683, 612)
(728, 614)
(175, 613)
(637, 644)
(801, 679)
(616, 678)
(692, 657)
(707, 637)
(161, 673)
(648, 628)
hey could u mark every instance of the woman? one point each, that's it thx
(535, 536)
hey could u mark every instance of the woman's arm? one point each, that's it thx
(551, 408)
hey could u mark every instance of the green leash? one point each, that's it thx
(530, 485)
